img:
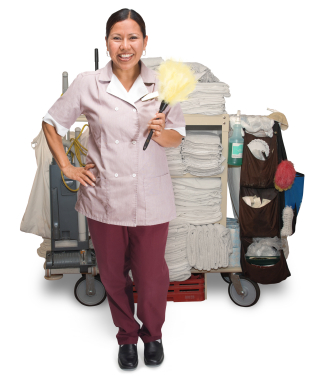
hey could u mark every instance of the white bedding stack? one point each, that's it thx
(208, 246)
(194, 240)
(176, 251)
(202, 154)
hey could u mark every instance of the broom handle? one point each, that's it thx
(163, 106)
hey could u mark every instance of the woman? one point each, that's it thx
(128, 196)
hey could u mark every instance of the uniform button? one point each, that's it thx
(116, 108)
(115, 174)
(117, 141)
(134, 110)
(133, 142)
(134, 175)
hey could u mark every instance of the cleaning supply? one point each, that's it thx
(235, 151)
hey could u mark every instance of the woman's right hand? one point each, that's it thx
(80, 174)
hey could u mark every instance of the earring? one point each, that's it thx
(145, 53)
(107, 53)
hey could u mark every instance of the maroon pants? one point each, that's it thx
(141, 249)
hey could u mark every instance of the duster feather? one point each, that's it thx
(284, 176)
(176, 81)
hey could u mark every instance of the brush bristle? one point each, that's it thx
(176, 81)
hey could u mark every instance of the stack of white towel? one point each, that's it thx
(202, 153)
(209, 94)
(175, 160)
(198, 199)
(176, 251)
(207, 98)
(208, 246)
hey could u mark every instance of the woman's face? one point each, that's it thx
(126, 38)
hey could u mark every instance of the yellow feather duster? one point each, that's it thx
(176, 81)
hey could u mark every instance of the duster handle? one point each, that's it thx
(163, 106)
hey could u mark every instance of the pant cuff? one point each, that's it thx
(147, 339)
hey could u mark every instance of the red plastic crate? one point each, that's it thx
(192, 289)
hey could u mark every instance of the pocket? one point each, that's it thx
(255, 172)
(263, 274)
(101, 191)
(121, 197)
(159, 198)
(259, 222)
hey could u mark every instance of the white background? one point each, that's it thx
(263, 51)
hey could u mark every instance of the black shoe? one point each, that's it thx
(127, 357)
(153, 353)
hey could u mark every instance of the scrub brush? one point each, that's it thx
(176, 82)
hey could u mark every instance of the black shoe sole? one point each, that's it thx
(127, 367)
(147, 363)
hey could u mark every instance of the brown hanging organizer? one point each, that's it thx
(257, 178)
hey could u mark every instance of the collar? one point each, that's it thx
(138, 89)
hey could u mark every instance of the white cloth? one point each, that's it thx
(176, 251)
(209, 246)
(257, 147)
(259, 126)
(202, 153)
(36, 218)
(198, 200)
(208, 95)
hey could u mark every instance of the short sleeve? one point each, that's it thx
(175, 119)
(67, 108)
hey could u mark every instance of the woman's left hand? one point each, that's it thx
(158, 124)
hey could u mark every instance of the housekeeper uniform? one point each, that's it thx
(129, 209)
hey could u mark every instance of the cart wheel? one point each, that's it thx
(83, 298)
(225, 277)
(251, 292)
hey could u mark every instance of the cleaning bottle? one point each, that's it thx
(235, 150)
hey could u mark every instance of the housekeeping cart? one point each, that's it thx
(72, 253)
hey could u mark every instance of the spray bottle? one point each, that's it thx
(235, 150)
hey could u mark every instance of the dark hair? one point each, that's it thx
(122, 15)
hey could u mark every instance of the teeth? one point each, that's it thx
(125, 55)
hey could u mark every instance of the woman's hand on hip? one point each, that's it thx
(82, 174)
(157, 124)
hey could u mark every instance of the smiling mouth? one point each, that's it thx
(125, 57)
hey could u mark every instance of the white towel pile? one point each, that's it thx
(198, 199)
(175, 160)
(208, 246)
(208, 95)
(175, 254)
(201, 72)
(202, 153)
(207, 98)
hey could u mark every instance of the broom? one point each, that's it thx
(176, 82)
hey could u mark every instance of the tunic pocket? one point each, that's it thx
(121, 199)
(101, 193)
(159, 199)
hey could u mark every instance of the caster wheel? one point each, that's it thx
(225, 277)
(251, 293)
(83, 298)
